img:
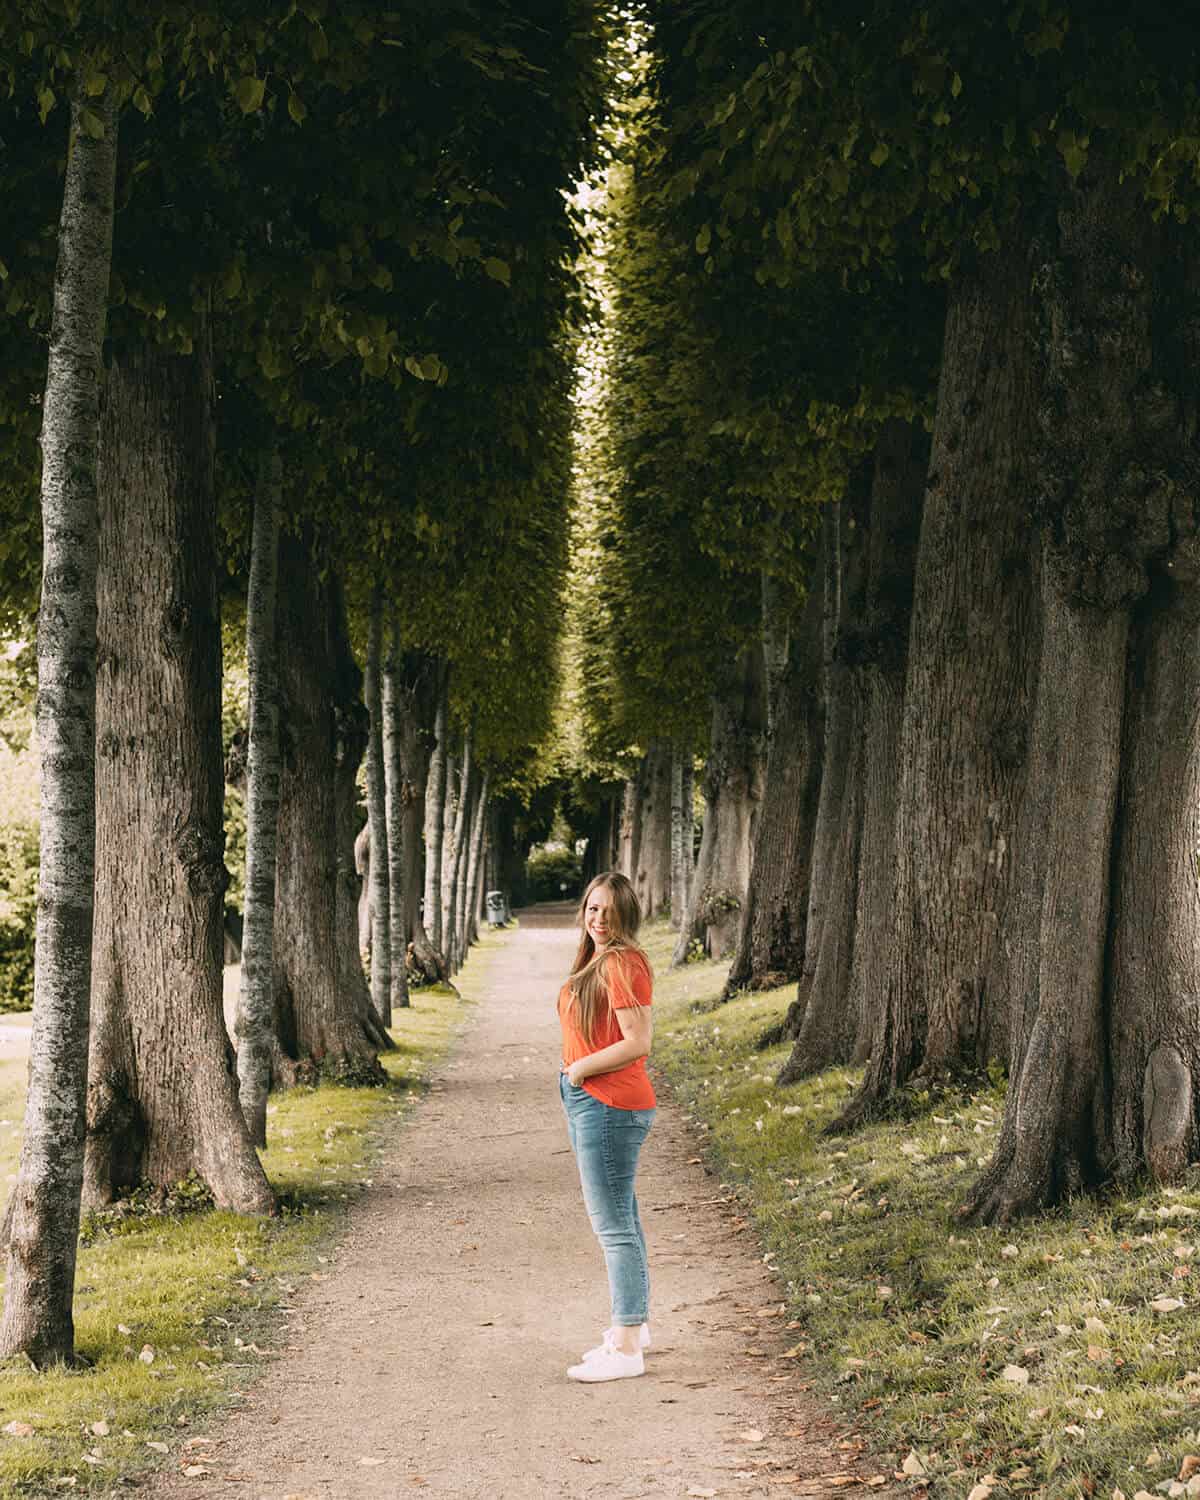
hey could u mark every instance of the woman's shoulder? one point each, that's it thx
(627, 969)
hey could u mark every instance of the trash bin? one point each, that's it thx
(496, 905)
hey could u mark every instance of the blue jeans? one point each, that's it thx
(606, 1143)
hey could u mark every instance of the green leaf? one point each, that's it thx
(141, 100)
(46, 100)
(96, 84)
(880, 154)
(704, 240)
(1074, 150)
(91, 124)
(250, 93)
(498, 270)
(297, 108)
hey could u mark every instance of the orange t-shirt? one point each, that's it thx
(629, 983)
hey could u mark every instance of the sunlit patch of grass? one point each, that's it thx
(175, 1311)
(1031, 1353)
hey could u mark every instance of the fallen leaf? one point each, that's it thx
(195, 1471)
(371, 1463)
(1096, 1354)
(65, 1482)
(1016, 1374)
(158, 1447)
(884, 1293)
(751, 1435)
(147, 1355)
(18, 1429)
(983, 1489)
(1166, 1304)
(1189, 1466)
(697, 1489)
(914, 1465)
(99, 1429)
(121, 1328)
(583, 1458)
(1074, 1429)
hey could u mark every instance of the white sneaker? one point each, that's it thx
(643, 1341)
(609, 1364)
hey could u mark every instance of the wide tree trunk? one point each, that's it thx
(256, 1001)
(1105, 1077)
(322, 1021)
(162, 1093)
(771, 936)
(43, 1216)
(652, 877)
(372, 850)
(828, 1031)
(966, 700)
(435, 796)
(352, 727)
(732, 793)
(901, 464)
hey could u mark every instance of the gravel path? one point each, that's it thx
(432, 1359)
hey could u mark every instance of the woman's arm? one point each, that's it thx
(637, 1031)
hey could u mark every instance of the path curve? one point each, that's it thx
(469, 1280)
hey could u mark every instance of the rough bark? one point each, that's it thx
(320, 1022)
(43, 1215)
(1106, 1058)
(419, 688)
(652, 877)
(771, 936)
(162, 1093)
(462, 876)
(457, 842)
(256, 1001)
(630, 834)
(966, 699)
(352, 729)
(450, 797)
(732, 793)
(399, 795)
(374, 867)
(435, 796)
(678, 873)
(475, 863)
(828, 1031)
(689, 826)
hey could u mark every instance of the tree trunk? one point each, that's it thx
(44, 1211)
(689, 827)
(771, 935)
(352, 728)
(652, 880)
(377, 866)
(829, 1028)
(462, 874)
(162, 1096)
(321, 1021)
(966, 701)
(435, 796)
(474, 866)
(396, 801)
(256, 1002)
(451, 793)
(418, 690)
(630, 835)
(678, 873)
(732, 792)
(901, 463)
(1105, 1076)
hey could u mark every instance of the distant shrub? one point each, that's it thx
(553, 875)
(18, 911)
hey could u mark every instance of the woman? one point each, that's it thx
(604, 1010)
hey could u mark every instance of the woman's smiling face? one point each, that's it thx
(597, 918)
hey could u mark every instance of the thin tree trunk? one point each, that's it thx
(630, 837)
(378, 865)
(435, 796)
(420, 690)
(678, 873)
(688, 795)
(162, 1092)
(652, 877)
(771, 935)
(458, 849)
(256, 1002)
(450, 798)
(324, 1017)
(393, 759)
(475, 864)
(44, 1211)
(732, 791)
(462, 877)
(966, 700)
(352, 730)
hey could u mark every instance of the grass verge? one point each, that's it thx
(1060, 1358)
(176, 1310)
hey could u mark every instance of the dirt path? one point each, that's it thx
(432, 1360)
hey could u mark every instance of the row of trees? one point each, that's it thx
(896, 474)
(310, 313)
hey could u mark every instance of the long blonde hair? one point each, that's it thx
(589, 972)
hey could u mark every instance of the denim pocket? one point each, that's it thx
(637, 1119)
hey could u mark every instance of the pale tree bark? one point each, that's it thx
(376, 842)
(435, 796)
(463, 878)
(256, 1001)
(324, 1017)
(678, 874)
(393, 761)
(689, 826)
(352, 732)
(630, 835)
(450, 796)
(457, 843)
(771, 937)
(967, 693)
(652, 875)
(162, 1091)
(43, 1215)
(732, 793)
(475, 863)
(1105, 1062)
(418, 687)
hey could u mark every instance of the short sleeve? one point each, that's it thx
(628, 978)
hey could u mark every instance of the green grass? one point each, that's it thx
(177, 1310)
(907, 1321)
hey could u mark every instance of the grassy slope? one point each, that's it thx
(201, 1291)
(1031, 1354)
